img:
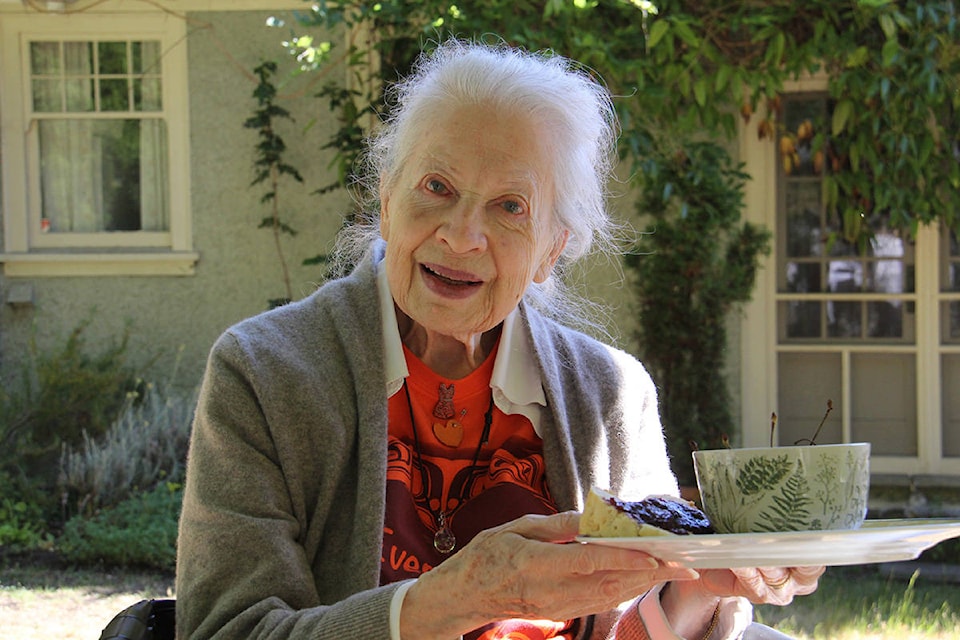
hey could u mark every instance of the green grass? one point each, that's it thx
(862, 602)
(39, 595)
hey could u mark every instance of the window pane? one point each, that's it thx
(884, 396)
(951, 321)
(45, 58)
(950, 283)
(803, 230)
(146, 94)
(803, 277)
(951, 279)
(951, 406)
(113, 95)
(79, 95)
(844, 319)
(112, 58)
(806, 382)
(803, 319)
(78, 58)
(103, 175)
(47, 96)
(845, 276)
(885, 319)
(146, 57)
(136, 57)
(887, 275)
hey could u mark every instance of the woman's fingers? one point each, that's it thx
(529, 568)
(777, 585)
(520, 537)
(560, 527)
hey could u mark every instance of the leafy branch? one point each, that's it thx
(270, 165)
(892, 71)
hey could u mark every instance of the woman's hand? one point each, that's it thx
(689, 605)
(523, 569)
(762, 586)
(765, 586)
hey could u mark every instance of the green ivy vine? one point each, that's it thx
(892, 68)
(270, 165)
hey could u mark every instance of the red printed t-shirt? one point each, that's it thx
(508, 481)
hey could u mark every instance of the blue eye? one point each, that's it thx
(436, 186)
(512, 206)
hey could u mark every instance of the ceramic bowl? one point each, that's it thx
(793, 488)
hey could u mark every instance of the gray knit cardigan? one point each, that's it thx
(281, 528)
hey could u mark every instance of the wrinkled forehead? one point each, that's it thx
(508, 138)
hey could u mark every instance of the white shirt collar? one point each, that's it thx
(516, 383)
(395, 364)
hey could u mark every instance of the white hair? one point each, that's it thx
(575, 109)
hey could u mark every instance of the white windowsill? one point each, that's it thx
(24, 265)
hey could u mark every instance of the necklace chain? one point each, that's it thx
(444, 540)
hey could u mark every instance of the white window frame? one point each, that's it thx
(759, 347)
(127, 253)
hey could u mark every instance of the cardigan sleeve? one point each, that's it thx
(602, 424)
(243, 570)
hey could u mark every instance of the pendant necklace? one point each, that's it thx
(448, 430)
(444, 540)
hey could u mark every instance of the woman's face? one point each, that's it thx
(469, 221)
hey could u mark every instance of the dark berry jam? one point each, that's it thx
(674, 516)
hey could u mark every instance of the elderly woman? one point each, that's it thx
(402, 454)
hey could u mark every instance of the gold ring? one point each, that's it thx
(779, 584)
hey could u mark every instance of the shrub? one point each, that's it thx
(21, 525)
(78, 393)
(696, 265)
(145, 446)
(138, 532)
(61, 397)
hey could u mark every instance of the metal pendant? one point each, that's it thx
(443, 540)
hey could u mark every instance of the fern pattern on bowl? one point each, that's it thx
(784, 488)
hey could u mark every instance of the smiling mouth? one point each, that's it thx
(454, 282)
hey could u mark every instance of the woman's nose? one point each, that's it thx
(463, 230)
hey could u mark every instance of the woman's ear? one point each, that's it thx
(550, 259)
